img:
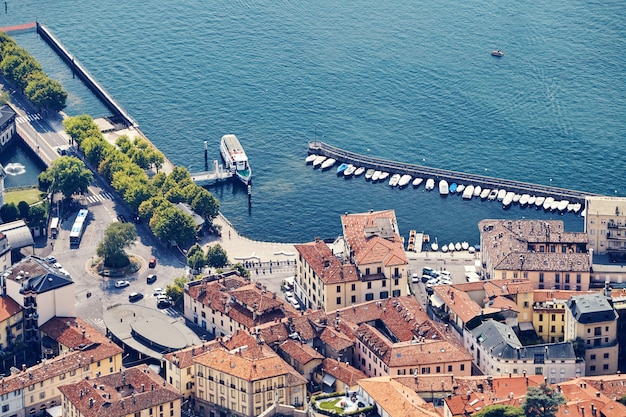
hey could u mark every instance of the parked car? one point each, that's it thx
(122, 284)
(135, 296)
(163, 301)
(158, 291)
(152, 263)
(295, 304)
(415, 279)
(151, 278)
(50, 259)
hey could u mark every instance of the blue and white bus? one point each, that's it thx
(78, 227)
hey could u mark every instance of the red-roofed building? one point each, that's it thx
(11, 320)
(373, 264)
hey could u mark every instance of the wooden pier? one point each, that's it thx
(217, 174)
(393, 167)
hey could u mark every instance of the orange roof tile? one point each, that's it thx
(324, 264)
(395, 398)
(343, 372)
(8, 308)
(300, 352)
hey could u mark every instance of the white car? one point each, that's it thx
(158, 291)
(122, 284)
(415, 278)
(295, 304)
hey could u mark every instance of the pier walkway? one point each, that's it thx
(218, 173)
(393, 167)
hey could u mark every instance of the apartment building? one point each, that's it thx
(538, 250)
(549, 314)
(371, 265)
(592, 318)
(131, 392)
(605, 224)
(245, 378)
(11, 323)
(179, 367)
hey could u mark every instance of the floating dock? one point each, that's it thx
(207, 177)
(393, 167)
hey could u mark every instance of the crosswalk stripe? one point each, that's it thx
(28, 118)
(99, 197)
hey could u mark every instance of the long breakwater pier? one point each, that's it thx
(393, 167)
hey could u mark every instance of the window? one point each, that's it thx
(462, 367)
(557, 277)
(567, 278)
(338, 288)
(538, 370)
(367, 271)
(384, 283)
(396, 282)
(597, 331)
(540, 329)
(592, 357)
(384, 294)
(525, 304)
(426, 370)
(369, 296)
(553, 329)
(540, 317)
(438, 370)
(353, 299)
(606, 356)
(553, 317)
(578, 278)
(592, 368)
(353, 287)
(395, 293)
(369, 285)
(449, 368)
(605, 366)
(541, 277)
(338, 300)
(5, 408)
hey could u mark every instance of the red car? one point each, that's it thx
(152, 263)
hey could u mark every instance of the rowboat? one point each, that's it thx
(404, 180)
(417, 182)
(318, 161)
(369, 173)
(359, 171)
(309, 159)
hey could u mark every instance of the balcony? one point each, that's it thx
(613, 225)
(616, 236)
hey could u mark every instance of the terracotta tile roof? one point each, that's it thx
(184, 358)
(343, 372)
(8, 308)
(273, 332)
(503, 303)
(300, 352)
(506, 240)
(120, 394)
(494, 288)
(325, 265)
(395, 398)
(261, 364)
(610, 385)
(426, 383)
(374, 238)
(541, 296)
(459, 302)
(72, 332)
(259, 300)
(338, 341)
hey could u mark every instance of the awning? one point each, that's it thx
(328, 380)
(436, 301)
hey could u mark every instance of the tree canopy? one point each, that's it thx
(499, 410)
(216, 256)
(117, 237)
(171, 224)
(67, 175)
(542, 401)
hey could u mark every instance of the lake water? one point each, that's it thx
(403, 80)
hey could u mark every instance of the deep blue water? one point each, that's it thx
(403, 80)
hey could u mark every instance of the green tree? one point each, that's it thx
(96, 149)
(81, 127)
(195, 257)
(205, 204)
(23, 207)
(579, 347)
(4, 97)
(147, 208)
(500, 410)
(542, 401)
(216, 256)
(68, 176)
(169, 224)
(243, 271)
(37, 215)
(175, 290)
(117, 237)
(46, 93)
(9, 212)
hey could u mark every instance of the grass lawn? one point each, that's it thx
(30, 195)
(330, 405)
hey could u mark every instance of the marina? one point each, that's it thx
(468, 185)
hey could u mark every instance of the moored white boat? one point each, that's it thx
(532, 200)
(465, 246)
(444, 248)
(443, 187)
(359, 171)
(318, 161)
(430, 184)
(235, 158)
(383, 176)
(417, 181)
(477, 191)
(404, 180)
(501, 194)
(485, 193)
(508, 198)
(493, 194)
(468, 193)
(516, 198)
(434, 246)
(369, 174)
(539, 201)
(393, 181)
(309, 159)
(562, 206)
(523, 200)
(328, 163)
(451, 247)
(547, 203)
(349, 171)
(460, 188)
(457, 246)
(577, 207)
(376, 175)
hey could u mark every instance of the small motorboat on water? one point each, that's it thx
(562, 206)
(493, 194)
(516, 198)
(468, 193)
(309, 159)
(376, 175)
(328, 163)
(547, 203)
(539, 201)
(497, 53)
(523, 200)
(453, 187)
(404, 180)
(318, 161)
(501, 194)
(457, 246)
(359, 171)
(393, 181)
(349, 171)
(451, 247)
(465, 246)
(430, 184)
(478, 190)
(369, 174)
(443, 187)
(383, 176)
(577, 207)
(460, 188)
(508, 199)
(485, 193)
(341, 168)
(532, 200)
(417, 182)
(434, 246)
(444, 248)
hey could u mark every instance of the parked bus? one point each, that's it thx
(78, 227)
(54, 227)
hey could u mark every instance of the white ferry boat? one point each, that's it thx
(235, 158)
